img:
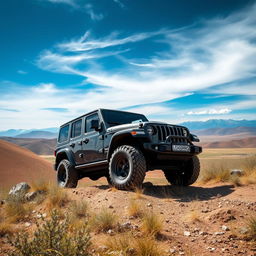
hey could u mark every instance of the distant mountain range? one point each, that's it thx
(219, 123)
(213, 127)
(46, 133)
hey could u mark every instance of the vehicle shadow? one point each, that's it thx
(183, 194)
(187, 194)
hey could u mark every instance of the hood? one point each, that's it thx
(132, 125)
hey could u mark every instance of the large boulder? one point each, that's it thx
(19, 189)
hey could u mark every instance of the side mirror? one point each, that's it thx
(193, 137)
(95, 125)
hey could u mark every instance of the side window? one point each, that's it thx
(76, 128)
(88, 122)
(63, 135)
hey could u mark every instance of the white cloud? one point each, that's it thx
(69, 2)
(210, 112)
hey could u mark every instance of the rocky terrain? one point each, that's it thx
(197, 220)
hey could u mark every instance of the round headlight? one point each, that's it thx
(185, 132)
(150, 130)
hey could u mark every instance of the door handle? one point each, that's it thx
(72, 144)
(86, 140)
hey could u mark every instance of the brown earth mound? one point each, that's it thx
(240, 143)
(18, 164)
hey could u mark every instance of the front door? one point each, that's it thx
(92, 141)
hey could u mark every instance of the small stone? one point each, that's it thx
(244, 230)
(187, 233)
(149, 205)
(172, 250)
(111, 207)
(27, 224)
(19, 189)
(103, 247)
(181, 253)
(39, 215)
(237, 172)
(44, 215)
(219, 233)
(203, 233)
(225, 228)
(34, 211)
(212, 249)
(110, 232)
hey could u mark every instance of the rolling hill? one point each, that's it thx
(38, 146)
(19, 164)
(38, 134)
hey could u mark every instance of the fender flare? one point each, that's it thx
(68, 154)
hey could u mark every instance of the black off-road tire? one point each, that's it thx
(133, 172)
(67, 175)
(185, 177)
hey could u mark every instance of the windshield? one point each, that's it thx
(113, 118)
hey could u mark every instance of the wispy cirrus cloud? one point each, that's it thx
(203, 57)
(214, 57)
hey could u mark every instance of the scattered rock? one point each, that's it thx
(111, 207)
(30, 196)
(103, 247)
(110, 232)
(225, 228)
(172, 250)
(2, 202)
(244, 230)
(203, 233)
(27, 224)
(19, 189)
(237, 172)
(219, 233)
(187, 233)
(44, 215)
(149, 205)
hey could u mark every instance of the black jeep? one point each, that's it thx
(123, 146)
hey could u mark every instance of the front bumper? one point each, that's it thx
(167, 148)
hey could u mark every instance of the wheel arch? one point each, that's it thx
(64, 154)
(123, 139)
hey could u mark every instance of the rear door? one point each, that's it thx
(92, 141)
(75, 143)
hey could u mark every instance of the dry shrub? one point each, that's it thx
(56, 198)
(120, 244)
(41, 185)
(193, 216)
(252, 228)
(146, 246)
(214, 173)
(52, 238)
(134, 209)
(104, 220)
(127, 245)
(6, 229)
(15, 210)
(249, 167)
(151, 224)
(138, 193)
(79, 209)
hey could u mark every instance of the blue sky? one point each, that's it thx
(171, 60)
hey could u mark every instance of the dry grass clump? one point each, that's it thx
(16, 210)
(104, 220)
(6, 229)
(79, 209)
(249, 167)
(146, 246)
(41, 185)
(252, 228)
(138, 193)
(135, 209)
(214, 173)
(193, 216)
(56, 198)
(127, 245)
(51, 239)
(151, 224)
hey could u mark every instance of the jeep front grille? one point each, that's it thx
(168, 133)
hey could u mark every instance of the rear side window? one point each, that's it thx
(88, 122)
(76, 128)
(63, 135)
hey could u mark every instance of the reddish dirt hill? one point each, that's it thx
(18, 164)
(242, 143)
